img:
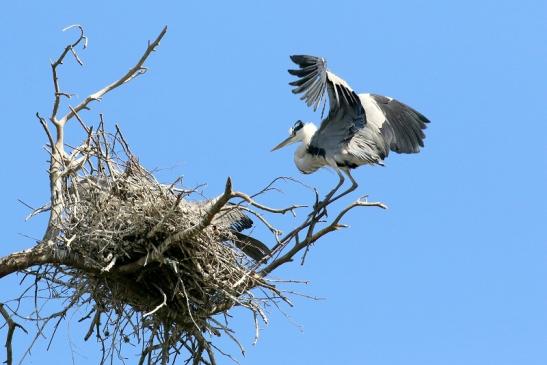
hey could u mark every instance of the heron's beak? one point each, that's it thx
(288, 141)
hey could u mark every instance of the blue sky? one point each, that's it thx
(455, 272)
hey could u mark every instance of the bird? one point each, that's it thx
(360, 129)
(236, 221)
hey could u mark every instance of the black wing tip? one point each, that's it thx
(252, 247)
(243, 223)
(408, 124)
(295, 72)
(298, 58)
(422, 119)
(306, 60)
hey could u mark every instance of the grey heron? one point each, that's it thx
(237, 221)
(359, 128)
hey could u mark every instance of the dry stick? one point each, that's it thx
(82, 124)
(230, 334)
(334, 225)
(57, 63)
(315, 217)
(163, 303)
(75, 164)
(95, 322)
(276, 233)
(44, 322)
(46, 129)
(283, 242)
(12, 325)
(249, 200)
(270, 186)
(133, 72)
(107, 147)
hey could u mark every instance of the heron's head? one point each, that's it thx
(298, 132)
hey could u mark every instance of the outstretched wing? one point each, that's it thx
(346, 115)
(400, 125)
(314, 79)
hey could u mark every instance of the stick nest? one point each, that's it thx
(150, 257)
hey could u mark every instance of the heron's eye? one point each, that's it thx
(298, 125)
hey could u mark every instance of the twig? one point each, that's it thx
(311, 237)
(12, 325)
(82, 124)
(95, 322)
(249, 200)
(129, 75)
(57, 63)
(43, 123)
(163, 303)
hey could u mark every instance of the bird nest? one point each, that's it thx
(156, 261)
(115, 220)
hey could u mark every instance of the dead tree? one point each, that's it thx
(147, 265)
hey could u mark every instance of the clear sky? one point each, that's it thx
(455, 272)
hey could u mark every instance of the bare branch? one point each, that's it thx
(159, 306)
(249, 200)
(82, 124)
(59, 61)
(313, 219)
(12, 325)
(94, 323)
(132, 73)
(39, 255)
(35, 212)
(46, 129)
(335, 224)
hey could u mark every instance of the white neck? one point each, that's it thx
(307, 133)
(306, 162)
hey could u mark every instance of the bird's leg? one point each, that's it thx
(351, 188)
(323, 203)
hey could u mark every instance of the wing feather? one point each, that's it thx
(303, 80)
(237, 221)
(402, 126)
(314, 78)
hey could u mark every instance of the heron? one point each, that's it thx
(237, 221)
(359, 129)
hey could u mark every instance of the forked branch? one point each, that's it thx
(12, 326)
(133, 72)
